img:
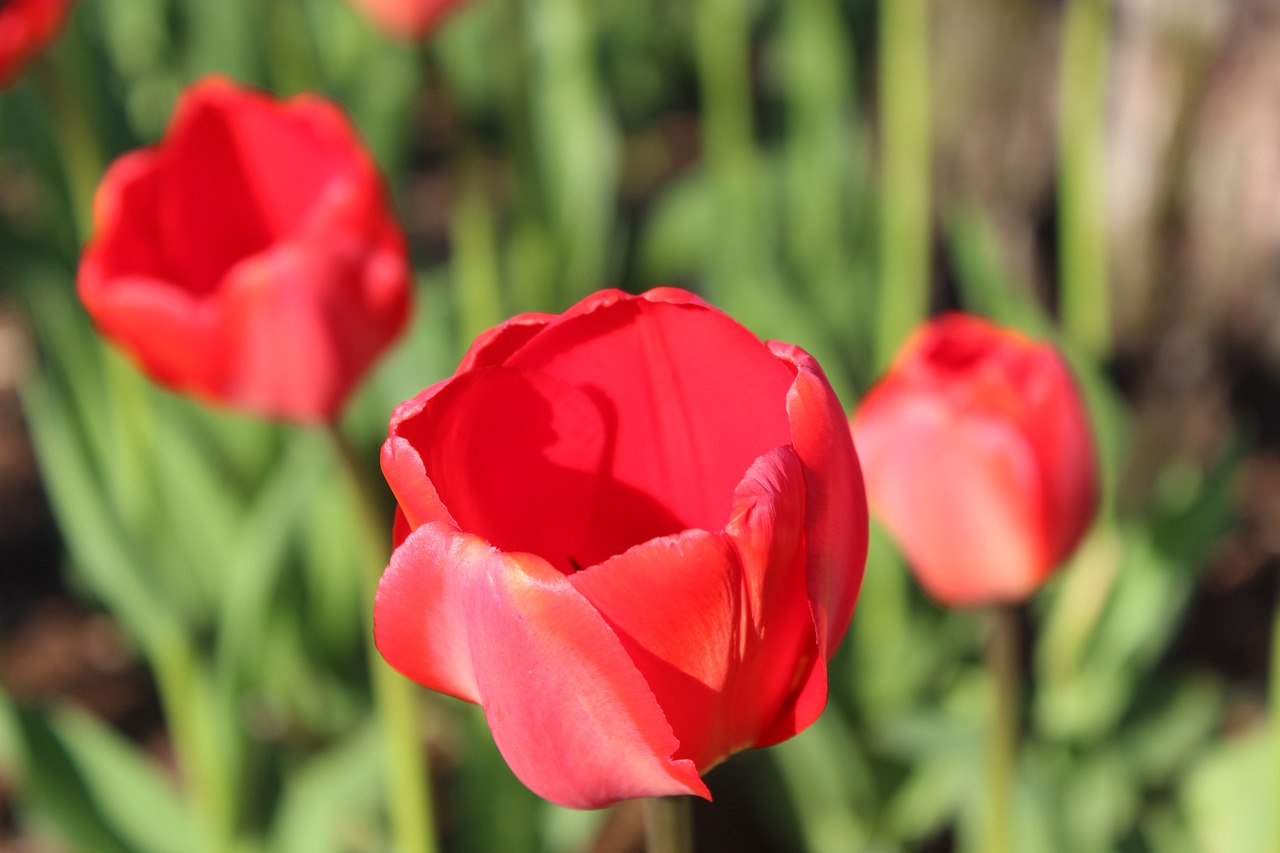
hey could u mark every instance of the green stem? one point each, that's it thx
(408, 782)
(199, 743)
(668, 825)
(1081, 215)
(1275, 718)
(905, 167)
(739, 273)
(1003, 670)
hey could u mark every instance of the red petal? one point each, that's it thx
(691, 396)
(836, 514)
(568, 709)
(719, 623)
(1058, 429)
(517, 458)
(493, 347)
(126, 242)
(239, 173)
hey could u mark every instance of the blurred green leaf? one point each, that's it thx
(1230, 797)
(97, 790)
(331, 802)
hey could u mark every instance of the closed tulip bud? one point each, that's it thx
(978, 460)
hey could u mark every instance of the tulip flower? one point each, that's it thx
(26, 26)
(633, 533)
(407, 19)
(979, 460)
(250, 258)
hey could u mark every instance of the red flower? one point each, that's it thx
(250, 258)
(633, 533)
(978, 459)
(26, 26)
(410, 19)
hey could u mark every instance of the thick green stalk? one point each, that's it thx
(741, 265)
(408, 779)
(1003, 671)
(1081, 180)
(668, 825)
(905, 168)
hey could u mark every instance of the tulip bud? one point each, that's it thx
(978, 459)
(26, 26)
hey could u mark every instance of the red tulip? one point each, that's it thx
(250, 258)
(633, 533)
(979, 460)
(409, 19)
(26, 26)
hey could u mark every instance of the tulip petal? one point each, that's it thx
(919, 454)
(418, 623)
(416, 496)
(741, 642)
(237, 176)
(690, 398)
(127, 238)
(836, 513)
(1057, 427)
(493, 347)
(516, 457)
(568, 709)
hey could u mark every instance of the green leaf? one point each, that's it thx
(95, 789)
(1230, 797)
(134, 798)
(262, 545)
(331, 802)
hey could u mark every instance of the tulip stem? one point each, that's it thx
(668, 825)
(408, 780)
(1003, 669)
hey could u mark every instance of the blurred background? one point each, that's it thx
(180, 635)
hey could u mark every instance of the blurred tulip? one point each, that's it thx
(408, 19)
(250, 258)
(633, 533)
(26, 26)
(979, 460)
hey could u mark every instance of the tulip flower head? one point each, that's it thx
(407, 19)
(26, 26)
(250, 258)
(633, 533)
(979, 460)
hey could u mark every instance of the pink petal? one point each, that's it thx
(920, 454)
(568, 710)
